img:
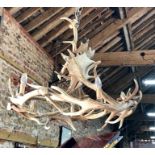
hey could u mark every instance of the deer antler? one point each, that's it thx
(73, 25)
(78, 65)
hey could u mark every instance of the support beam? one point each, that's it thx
(42, 18)
(61, 29)
(25, 15)
(21, 137)
(133, 16)
(14, 10)
(103, 36)
(52, 23)
(134, 58)
(126, 30)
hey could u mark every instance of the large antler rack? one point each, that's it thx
(78, 64)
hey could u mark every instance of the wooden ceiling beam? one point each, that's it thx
(26, 14)
(144, 32)
(84, 22)
(133, 15)
(145, 40)
(149, 44)
(60, 29)
(112, 43)
(126, 31)
(88, 29)
(14, 10)
(142, 27)
(134, 58)
(42, 18)
(143, 21)
(52, 23)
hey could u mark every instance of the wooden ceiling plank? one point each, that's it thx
(110, 44)
(97, 27)
(132, 17)
(61, 29)
(144, 40)
(88, 30)
(42, 18)
(143, 32)
(147, 44)
(144, 20)
(52, 23)
(25, 15)
(14, 10)
(99, 39)
(143, 28)
(84, 22)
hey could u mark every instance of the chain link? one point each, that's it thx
(78, 11)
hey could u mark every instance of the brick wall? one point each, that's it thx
(18, 54)
(19, 49)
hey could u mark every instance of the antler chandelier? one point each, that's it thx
(65, 106)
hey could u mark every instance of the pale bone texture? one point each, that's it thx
(77, 68)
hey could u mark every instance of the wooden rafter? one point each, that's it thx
(135, 14)
(86, 27)
(61, 29)
(103, 36)
(26, 14)
(14, 10)
(42, 18)
(52, 23)
(126, 30)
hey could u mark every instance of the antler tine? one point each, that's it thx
(23, 112)
(98, 115)
(73, 25)
(111, 116)
(134, 92)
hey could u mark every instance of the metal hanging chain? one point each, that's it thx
(78, 11)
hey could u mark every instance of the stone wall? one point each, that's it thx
(18, 54)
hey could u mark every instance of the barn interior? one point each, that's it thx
(31, 41)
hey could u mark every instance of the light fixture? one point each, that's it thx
(151, 114)
(152, 128)
(149, 82)
(72, 103)
(152, 137)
